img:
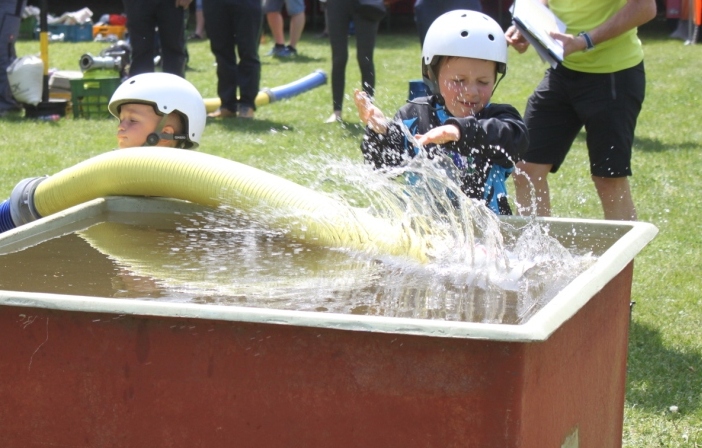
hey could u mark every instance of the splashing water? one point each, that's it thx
(480, 268)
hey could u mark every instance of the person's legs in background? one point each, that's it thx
(274, 17)
(171, 30)
(219, 25)
(339, 15)
(296, 9)
(366, 33)
(532, 195)
(9, 29)
(142, 29)
(611, 113)
(199, 32)
(276, 22)
(553, 126)
(248, 25)
(607, 105)
(615, 195)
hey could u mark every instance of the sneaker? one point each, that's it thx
(276, 50)
(245, 112)
(195, 36)
(222, 112)
(288, 52)
(335, 117)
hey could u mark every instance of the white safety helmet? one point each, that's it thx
(462, 33)
(166, 93)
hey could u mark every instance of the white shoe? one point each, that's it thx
(682, 32)
(335, 117)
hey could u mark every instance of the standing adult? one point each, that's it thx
(339, 15)
(144, 18)
(234, 27)
(600, 85)
(274, 15)
(426, 11)
(10, 18)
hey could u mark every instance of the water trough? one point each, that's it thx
(84, 367)
(93, 371)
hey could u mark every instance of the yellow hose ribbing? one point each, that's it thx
(213, 181)
(211, 104)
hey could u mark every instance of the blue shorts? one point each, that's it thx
(198, 5)
(607, 105)
(293, 7)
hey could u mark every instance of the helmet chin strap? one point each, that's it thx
(497, 83)
(156, 136)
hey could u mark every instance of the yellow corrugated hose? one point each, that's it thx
(262, 99)
(214, 181)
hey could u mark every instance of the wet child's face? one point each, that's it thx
(136, 122)
(466, 84)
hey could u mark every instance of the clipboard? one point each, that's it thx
(534, 21)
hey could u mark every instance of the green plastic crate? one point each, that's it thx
(90, 97)
(27, 27)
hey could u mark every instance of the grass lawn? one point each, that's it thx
(665, 350)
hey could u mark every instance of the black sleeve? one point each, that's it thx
(384, 150)
(499, 135)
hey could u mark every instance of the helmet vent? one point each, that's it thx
(491, 37)
(464, 33)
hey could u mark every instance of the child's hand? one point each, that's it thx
(368, 113)
(439, 135)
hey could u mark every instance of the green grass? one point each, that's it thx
(665, 357)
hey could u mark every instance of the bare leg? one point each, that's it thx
(275, 22)
(615, 196)
(199, 23)
(531, 188)
(297, 25)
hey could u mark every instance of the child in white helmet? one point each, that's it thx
(463, 54)
(158, 109)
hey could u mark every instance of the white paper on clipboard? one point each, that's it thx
(534, 20)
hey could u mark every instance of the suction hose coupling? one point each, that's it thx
(19, 209)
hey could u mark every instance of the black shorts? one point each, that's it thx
(608, 105)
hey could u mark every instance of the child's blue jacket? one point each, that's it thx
(490, 144)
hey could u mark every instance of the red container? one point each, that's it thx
(97, 372)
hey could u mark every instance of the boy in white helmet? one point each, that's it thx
(463, 54)
(158, 109)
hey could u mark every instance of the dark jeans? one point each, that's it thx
(144, 16)
(234, 28)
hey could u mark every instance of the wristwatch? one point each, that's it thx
(589, 44)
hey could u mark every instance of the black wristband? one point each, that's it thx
(589, 44)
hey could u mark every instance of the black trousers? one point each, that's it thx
(340, 13)
(234, 28)
(143, 17)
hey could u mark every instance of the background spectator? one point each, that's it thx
(147, 17)
(599, 86)
(10, 18)
(339, 15)
(274, 16)
(234, 27)
(199, 32)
